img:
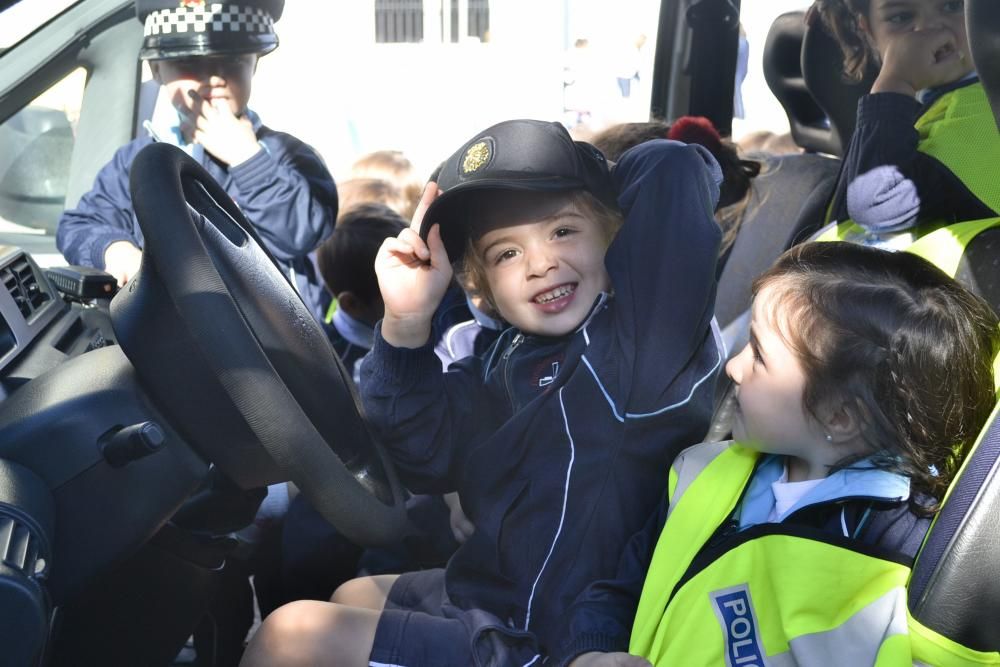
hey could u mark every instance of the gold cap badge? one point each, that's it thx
(476, 156)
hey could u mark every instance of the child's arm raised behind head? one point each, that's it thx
(662, 266)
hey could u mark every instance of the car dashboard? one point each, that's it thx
(90, 469)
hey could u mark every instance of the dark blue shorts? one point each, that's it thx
(419, 627)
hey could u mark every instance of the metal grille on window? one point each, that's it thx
(479, 19)
(399, 21)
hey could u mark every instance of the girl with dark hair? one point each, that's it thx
(923, 149)
(867, 378)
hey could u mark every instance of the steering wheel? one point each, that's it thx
(235, 361)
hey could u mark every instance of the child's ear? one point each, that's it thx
(359, 308)
(841, 420)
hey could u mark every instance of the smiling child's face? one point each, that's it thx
(545, 269)
(217, 79)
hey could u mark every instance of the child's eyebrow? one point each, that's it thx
(496, 242)
(893, 4)
(754, 343)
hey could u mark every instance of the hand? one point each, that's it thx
(413, 277)
(122, 260)
(597, 659)
(230, 139)
(920, 59)
(461, 527)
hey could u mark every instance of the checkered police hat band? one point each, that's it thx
(210, 17)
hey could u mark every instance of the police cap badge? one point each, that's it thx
(520, 155)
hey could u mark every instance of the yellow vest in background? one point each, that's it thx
(960, 132)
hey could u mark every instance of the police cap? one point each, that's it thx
(516, 155)
(186, 28)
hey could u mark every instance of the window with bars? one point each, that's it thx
(399, 21)
(479, 19)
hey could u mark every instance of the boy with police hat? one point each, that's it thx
(556, 438)
(204, 54)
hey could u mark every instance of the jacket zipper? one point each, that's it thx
(731, 540)
(517, 340)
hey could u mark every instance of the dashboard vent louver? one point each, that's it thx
(21, 282)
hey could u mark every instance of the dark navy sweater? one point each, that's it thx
(886, 184)
(560, 447)
(285, 190)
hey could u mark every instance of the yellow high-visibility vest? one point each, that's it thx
(960, 132)
(778, 595)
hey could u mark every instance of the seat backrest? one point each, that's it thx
(804, 69)
(783, 73)
(955, 586)
(823, 74)
(787, 204)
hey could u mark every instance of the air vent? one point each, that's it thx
(21, 282)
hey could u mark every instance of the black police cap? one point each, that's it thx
(186, 28)
(519, 155)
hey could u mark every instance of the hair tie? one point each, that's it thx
(696, 130)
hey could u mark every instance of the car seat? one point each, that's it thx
(789, 198)
(804, 69)
(955, 586)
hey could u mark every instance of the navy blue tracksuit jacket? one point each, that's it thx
(560, 447)
(285, 190)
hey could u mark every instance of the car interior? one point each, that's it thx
(137, 433)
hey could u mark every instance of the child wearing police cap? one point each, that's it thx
(204, 54)
(557, 439)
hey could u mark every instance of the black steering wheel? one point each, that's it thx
(229, 353)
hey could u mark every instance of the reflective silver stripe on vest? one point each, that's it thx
(690, 463)
(855, 642)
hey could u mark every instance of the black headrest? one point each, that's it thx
(804, 68)
(783, 73)
(983, 19)
(837, 96)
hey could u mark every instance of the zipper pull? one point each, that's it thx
(518, 339)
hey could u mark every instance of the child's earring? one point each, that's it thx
(829, 438)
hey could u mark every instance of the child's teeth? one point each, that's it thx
(554, 294)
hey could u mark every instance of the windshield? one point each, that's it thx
(25, 16)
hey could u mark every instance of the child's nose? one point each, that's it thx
(734, 366)
(929, 21)
(541, 262)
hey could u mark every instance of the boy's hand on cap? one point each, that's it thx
(413, 277)
(917, 60)
(229, 139)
